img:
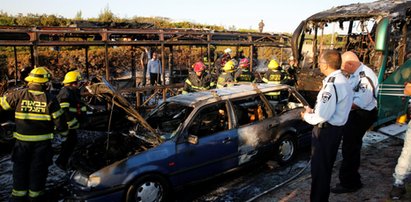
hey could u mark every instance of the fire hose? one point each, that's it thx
(281, 184)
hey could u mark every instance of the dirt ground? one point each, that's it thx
(377, 165)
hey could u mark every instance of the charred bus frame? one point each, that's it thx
(35, 37)
(379, 32)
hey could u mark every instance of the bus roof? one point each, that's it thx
(357, 11)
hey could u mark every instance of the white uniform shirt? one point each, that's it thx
(364, 94)
(327, 107)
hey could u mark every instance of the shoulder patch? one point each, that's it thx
(326, 96)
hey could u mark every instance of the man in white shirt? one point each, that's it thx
(363, 114)
(154, 69)
(328, 117)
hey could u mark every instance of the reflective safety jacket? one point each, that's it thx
(196, 83)
(225, 80)
(70, 101)
(37, 113)
(244, 75)
(274, 77)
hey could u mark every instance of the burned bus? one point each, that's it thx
(378, 32)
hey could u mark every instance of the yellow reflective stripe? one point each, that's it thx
(188, 82)
(33, 138)
(4, 104)
(36, 92)
(57, 114)
(64, 133)
(18, 193)
(64, 104)
(72, 123)
(32, 116)
(83, 108)
(34, 194)
(265, 80)
(73, 109)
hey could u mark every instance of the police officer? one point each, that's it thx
(363, 114)
(226, 78)
(243, 73)
(199, 80)
(37, 116)
(328, 117)
(70, 101)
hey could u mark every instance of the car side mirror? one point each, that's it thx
(192, 139)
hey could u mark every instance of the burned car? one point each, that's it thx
(189, 138)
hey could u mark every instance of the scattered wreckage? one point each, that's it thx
(186, 139)
(378, 32)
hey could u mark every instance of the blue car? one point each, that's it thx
(188, 138)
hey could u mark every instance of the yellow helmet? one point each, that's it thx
(229, 66)
(38, 75)
(71, 77)
(273, 64)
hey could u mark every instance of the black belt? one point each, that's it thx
(324, 125)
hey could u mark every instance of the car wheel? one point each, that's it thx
(149, 188)
(285, 149)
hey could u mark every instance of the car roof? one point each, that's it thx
(193, 99)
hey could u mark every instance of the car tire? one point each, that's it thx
(285, 149)
(149, 188)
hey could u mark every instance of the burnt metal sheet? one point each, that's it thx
(383, 8)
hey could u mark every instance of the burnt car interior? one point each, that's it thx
(209, 120)
(249, 110)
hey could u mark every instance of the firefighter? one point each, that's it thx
(243, 73)
(226, 79)
(70, 101)
(199, 80)
(274, 76)
(37, 115)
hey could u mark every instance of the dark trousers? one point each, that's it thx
(67, 149)
(359, 121)
(155, 78)
(143, 82)
(30, 167)
(324, 148)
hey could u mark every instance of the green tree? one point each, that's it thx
(106, 15)
(78, 15)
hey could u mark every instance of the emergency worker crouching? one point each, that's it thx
(243, 73)
(37, 115)
(226, 79)
(70, 102)
(199, 80)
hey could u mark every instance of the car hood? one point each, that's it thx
(116, 144)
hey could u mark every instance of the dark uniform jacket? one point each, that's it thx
(274, 76)
(37, 113)
(244, 75)
(195, 83)
(225, 79)
(70, 101)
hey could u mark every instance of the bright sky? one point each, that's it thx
(278, 16)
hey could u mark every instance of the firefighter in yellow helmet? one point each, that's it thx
(38, 116)
(70, 101)
(226, 78)
(274, 75)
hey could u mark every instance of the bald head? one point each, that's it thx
(350, 62)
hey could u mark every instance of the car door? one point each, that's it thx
(216, 147)
(256, 125)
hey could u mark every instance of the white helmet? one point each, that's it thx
(228, 50)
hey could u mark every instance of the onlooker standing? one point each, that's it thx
(261, 26)
(363, 114)
(328, 117)
(37, 115)
(403, 167)
(154, 69)
(144, 58)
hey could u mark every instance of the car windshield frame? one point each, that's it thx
(166, 116)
